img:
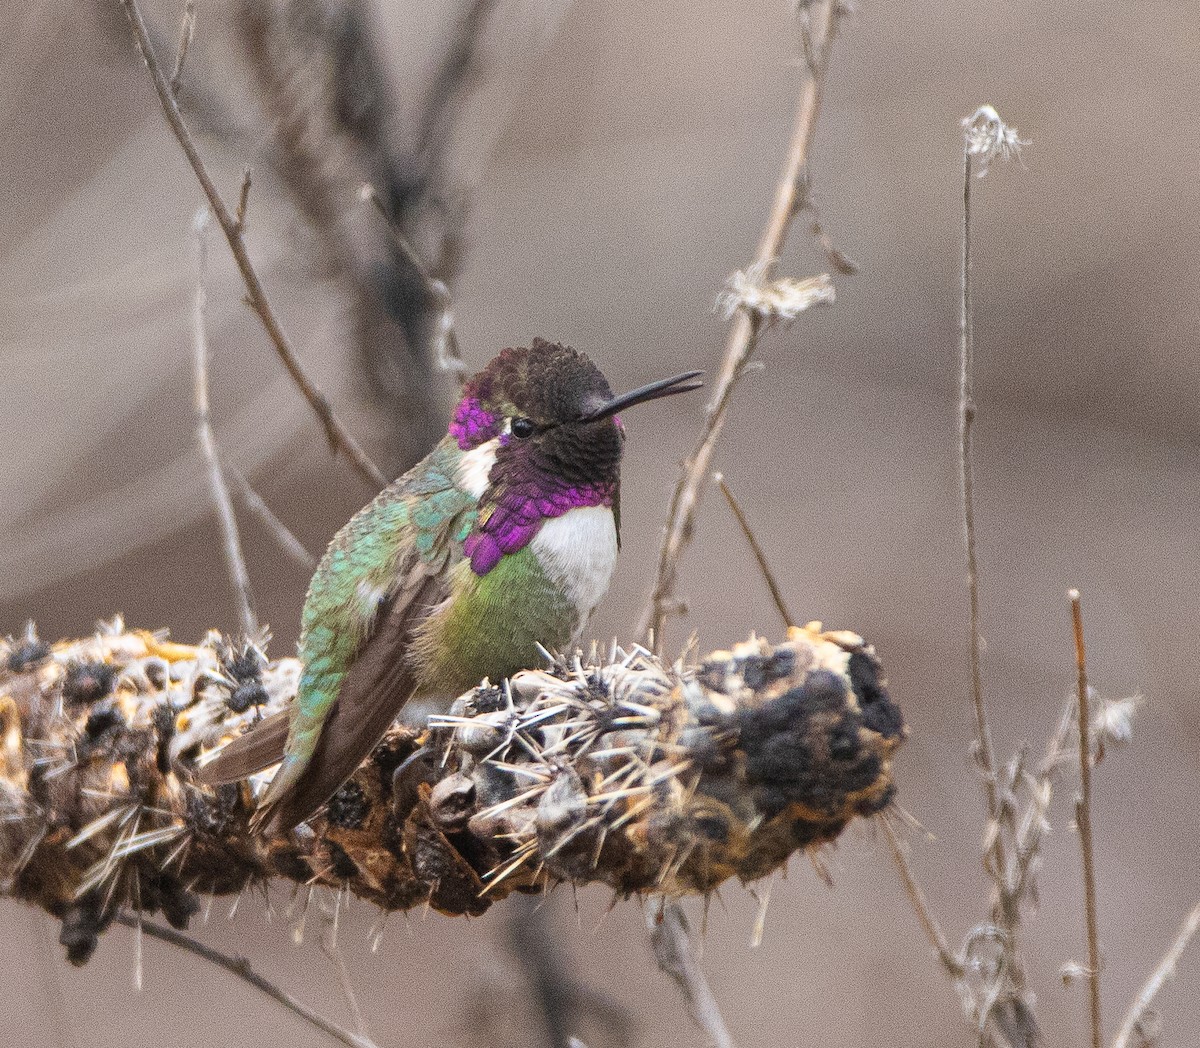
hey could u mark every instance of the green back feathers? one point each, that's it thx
(420, 520)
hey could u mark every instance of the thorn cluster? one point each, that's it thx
(624, 771)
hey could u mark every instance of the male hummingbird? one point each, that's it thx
(502, 538)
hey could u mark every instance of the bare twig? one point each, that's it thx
(670, 937)
(288, 542)
(1158, 978)
(187, 29)
(232, 542)
(1083, 818)
(928, 922)
(340, 439)
(243, 204)
(986, 754)
(743, 336)
(240, 967)
(550, 985)
(763, 566)
(805, 202)
(1029, 832)
(446, 351)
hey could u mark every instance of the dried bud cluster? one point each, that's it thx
(627, 772)
(771, 300)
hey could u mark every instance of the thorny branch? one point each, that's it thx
(231, 540)
(340, 439)
(240, 966)
(747, 326)
(653, 780)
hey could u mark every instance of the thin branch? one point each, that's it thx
(816, 227)
(340, 439)
(1083, 818)
(672, 944)
(243, 204)
(187, 29)
(743, 337)
(966, 419)
(1029, 833)
(763, 566)
(1158, 978)
(240, 967)
(446, 351)
(929, 923)
(231, 540)
(288, 542)
(603, 806)
(534, 946)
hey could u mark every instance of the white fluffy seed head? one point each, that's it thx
(989, 138)
(784, 299)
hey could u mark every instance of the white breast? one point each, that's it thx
(577, 552)
(475, 466)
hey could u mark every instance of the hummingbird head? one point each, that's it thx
(541, 436)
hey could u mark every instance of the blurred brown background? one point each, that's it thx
(608, 165)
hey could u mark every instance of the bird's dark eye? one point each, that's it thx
(523, 427)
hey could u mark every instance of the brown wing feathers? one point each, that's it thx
(373, 692)
(257, 749)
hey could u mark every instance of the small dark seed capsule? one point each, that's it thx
(754, 672)
(489, 700)
(103, 719)
(28, 655)
(178, 905)
(713, 827)
(156, 674)
(252, 693)
(348, 807)
(344, 867)
(88, 682)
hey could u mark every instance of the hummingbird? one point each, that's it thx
(501, 539)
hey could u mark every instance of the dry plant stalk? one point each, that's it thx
(1083, 819)
(988, 970)
(233, 226)
(240, 967)
(1136, 1028)
(647, 778)
(753, 304)
(235, 559)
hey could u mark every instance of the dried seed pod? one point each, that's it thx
(630, 773)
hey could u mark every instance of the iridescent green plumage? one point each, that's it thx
(415, 526)
(501, 539)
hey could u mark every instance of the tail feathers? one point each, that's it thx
(297, 797)
(259, 748)
(301, 787)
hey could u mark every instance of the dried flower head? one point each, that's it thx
(1112, 724)
(988, 138)
(783, 299)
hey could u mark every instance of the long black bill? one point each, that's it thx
(666, 387)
